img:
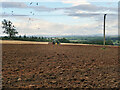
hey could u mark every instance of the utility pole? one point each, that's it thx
(104, 28)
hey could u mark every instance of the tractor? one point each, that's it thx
(55, 42)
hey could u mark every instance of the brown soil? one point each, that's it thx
(59, 66)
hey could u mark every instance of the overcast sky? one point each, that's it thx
(60, 17)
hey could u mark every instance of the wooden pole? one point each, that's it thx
(104, 28)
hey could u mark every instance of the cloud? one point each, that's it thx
(79, 8)
(31, 27)
(92, 11)
(59, 0)
(22, 5)
(42, 27)
(8, 15)
(45, 28)
(75, 2)
(92, 8)
(75, 17)
(13, 5)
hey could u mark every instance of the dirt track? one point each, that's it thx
(59, 66)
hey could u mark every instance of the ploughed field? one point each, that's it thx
(59, 66)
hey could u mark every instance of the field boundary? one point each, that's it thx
(20, 42)
(72, 44)
(33, 42)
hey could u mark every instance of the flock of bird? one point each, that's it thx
(32, 12)
(12, 12)
(31, 3)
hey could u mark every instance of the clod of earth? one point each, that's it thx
(64, 66)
